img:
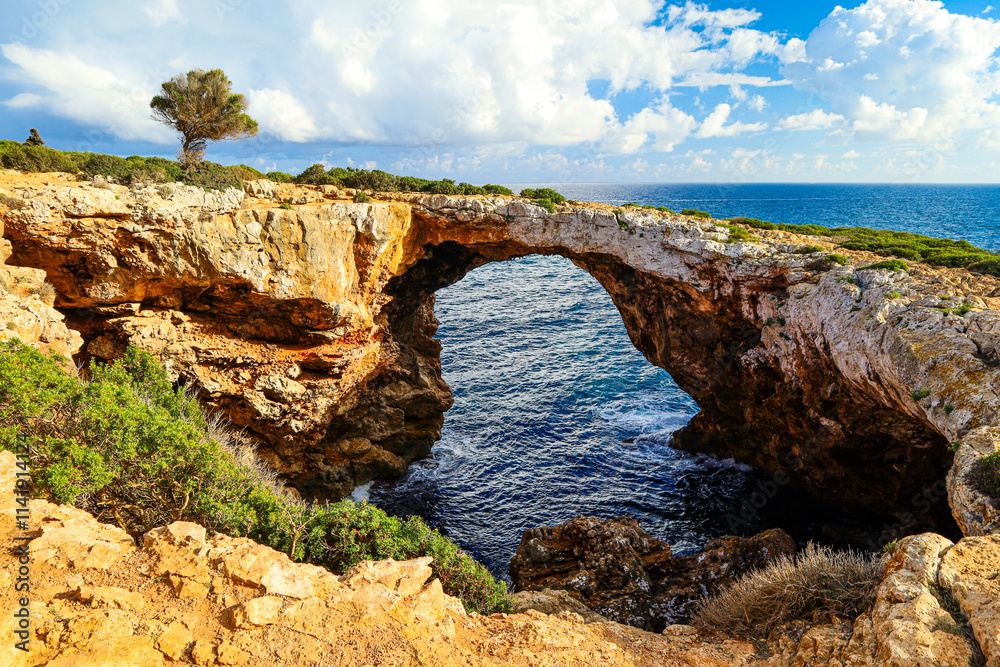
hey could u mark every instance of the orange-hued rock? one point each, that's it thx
(377, 613)
(312, 327)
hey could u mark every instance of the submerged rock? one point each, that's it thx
(619, 571)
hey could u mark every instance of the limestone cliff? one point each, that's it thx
(311, 325)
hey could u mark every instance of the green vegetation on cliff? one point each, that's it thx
(139, 453)
(915, 247)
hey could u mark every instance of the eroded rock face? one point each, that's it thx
(313, 328)
(974, 512)
(616, 569)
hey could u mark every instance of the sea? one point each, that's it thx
(558, 415)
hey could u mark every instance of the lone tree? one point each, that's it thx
(201, 107)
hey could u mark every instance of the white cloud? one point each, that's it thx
(429, 73)
(817, 119)
(851, 155)
(757, 103)
(280, 114)
(24, 101)
(163, 11)
(84, 92)
(903, 70)
(664, 124)
(715, 124)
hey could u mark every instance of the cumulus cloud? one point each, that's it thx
(90, 94)
(902, 70)
(715, 124)
(431, 73)
(280, 114)
(817, 119)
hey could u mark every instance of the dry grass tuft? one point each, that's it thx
(818, 582)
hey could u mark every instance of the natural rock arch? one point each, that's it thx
(313, 328)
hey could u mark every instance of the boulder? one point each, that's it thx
(617, 570)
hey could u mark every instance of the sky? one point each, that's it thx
(521, 91)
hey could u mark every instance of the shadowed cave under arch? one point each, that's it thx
(818, 434)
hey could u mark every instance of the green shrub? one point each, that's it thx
(838, 259)
(361, 198)
(917, 395)
(546, 204)
(492, 189)
(35, 158)
(963, 310)
(888, 265)
(285, 205)
(279, 177)
(544, 193)
(316, 175)
(809, 249)
(136, 452)
(753, 222)
(664, 209)
(818, 583)
(695, 213)
(893, 295)
(736, 234)
(212, 176)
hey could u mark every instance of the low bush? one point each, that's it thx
(361, 198)
(695, 213)
(838, 259)
(818, 583)
(737, 234)
(809, 249)
(544, 193)
(35, 158)
(136, 452)
(888, 265)
(278, 177)
(546, 204)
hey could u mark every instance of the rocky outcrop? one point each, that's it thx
(26, 304)
(189, 597)
(975, 512)
(617, 570)
(312, 328)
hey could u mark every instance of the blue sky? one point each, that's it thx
(532, 90)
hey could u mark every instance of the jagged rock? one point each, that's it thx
(617, 570)
(109, 596)
(261, 188)
(974, 512)
(554, 601)
(969, 570)
(259, 611)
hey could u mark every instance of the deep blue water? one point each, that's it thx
(557, 414)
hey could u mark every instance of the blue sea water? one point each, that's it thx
(557, 414)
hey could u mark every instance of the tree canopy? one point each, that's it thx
(202, 108)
